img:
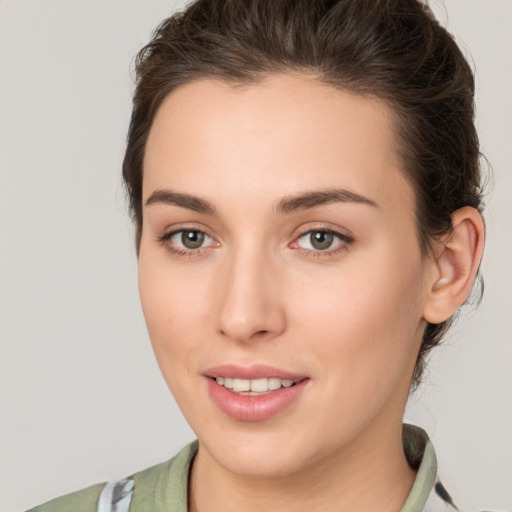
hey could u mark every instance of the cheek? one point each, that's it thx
(173, 310)
(366, 319)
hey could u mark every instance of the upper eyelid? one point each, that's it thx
(325, 230)
(327, 227)
(172, 230)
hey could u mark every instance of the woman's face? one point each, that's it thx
(279, 247)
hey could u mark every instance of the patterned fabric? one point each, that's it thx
(116, 496)
(439, 500)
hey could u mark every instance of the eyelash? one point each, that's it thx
(343, 239)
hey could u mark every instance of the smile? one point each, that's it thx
(254, 387)
(255, 393)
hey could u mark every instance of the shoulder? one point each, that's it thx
(164, 483)
(85, 500)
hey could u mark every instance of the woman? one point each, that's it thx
(305, 186)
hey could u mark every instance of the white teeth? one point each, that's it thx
(254, 386)
(259, 385)
(241, 385)
(274, 383)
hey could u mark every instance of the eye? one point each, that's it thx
(187, 240)
(322, 240)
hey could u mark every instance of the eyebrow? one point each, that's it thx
(179, 199)
(305, 201)
(313, 199)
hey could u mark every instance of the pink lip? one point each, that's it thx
(257, 371)
(253, 408)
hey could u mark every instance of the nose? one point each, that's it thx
(250, 305)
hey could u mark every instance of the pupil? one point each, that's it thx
(192, 239)
(321, 240)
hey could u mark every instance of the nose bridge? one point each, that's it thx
(250, 305)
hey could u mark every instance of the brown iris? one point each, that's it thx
(321, 240)
(192, 239)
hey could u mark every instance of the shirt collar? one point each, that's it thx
(421, 456)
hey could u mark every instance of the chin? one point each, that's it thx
(271, 454)
(255, 464)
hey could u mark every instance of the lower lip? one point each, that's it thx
(254, 408)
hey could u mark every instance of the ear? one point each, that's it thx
(454, 265)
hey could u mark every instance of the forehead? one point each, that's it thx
(284, 129)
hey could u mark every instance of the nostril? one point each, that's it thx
(246, 336)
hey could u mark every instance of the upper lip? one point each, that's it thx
(257, 371)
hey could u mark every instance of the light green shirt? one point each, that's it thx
(163, 488)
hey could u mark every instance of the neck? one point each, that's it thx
(371, 473)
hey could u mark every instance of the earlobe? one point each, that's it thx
(454, 265)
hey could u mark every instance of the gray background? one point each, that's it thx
(81, 397)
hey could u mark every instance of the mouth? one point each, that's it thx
(256, 393)
(254, 387)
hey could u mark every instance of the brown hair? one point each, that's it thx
(392, 49)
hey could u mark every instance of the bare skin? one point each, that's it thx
(257, 175)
